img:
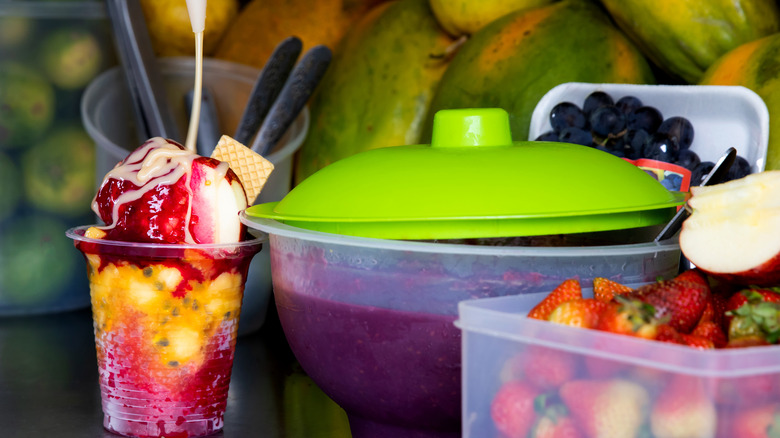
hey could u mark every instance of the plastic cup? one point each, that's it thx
(165, 320)
(107, 113)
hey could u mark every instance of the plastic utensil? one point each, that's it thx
(209, 130)
(472, 181)
(716, 176)
(294, 95)
(197, 12)
(267, 88)
(153, 116)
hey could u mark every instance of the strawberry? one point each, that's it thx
(606, 408)
(547, 368)
(556, 423)
(605, 289)
(745, 391)
(708, 314)
(711, 331)
(757, 422)
(755, 320)
(512, 409)
(694, 275)
(667, 333)
(579, 312)
(683, 410)
(568, 290)
(744, 296)
(628, 317)
(680, 299)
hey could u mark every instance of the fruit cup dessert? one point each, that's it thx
(167, 274)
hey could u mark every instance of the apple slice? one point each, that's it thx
(217, 200)
(733, 232)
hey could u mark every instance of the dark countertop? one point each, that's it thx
(49, 384)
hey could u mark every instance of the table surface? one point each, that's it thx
(49, 384)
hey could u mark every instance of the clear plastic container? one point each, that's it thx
(715, 390)
(371, 320)
(722, 116)
(108, 115)
(49, 52)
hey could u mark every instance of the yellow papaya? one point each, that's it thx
(684, 37)
(262, 24)
(464, 17)
(754, 65)
(513, 61)
(378, 87)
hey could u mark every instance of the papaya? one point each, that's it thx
(513, 61)
(378, 87)
(262, 24)
(684, 37)
(754, 65)
(464, 17)
(170, 29)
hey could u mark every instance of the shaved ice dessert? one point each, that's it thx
(167, 271)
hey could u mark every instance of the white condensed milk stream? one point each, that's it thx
(197, 11)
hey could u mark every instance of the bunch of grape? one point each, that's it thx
(629, 129)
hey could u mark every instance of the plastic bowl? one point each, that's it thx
(108, 115)
(371, 320)
(500, 343)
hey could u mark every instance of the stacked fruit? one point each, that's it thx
(630, 129)
(47, 160)
(552, 393)
(684, 310)
(546, 390)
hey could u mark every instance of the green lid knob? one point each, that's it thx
(471, 127)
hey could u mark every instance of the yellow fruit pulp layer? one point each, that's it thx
(171, 331)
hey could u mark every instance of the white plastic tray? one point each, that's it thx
(722, 116)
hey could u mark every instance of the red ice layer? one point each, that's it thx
(144, 399)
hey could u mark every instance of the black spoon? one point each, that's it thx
(293, 97)
(267, 87)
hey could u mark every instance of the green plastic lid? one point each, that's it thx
(473, 181)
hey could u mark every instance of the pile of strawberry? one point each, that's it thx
(550, 392)
(683, 310)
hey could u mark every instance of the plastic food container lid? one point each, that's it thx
(473, 181)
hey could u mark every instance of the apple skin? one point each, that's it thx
(733, 232)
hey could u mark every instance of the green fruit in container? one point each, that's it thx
(378, 87)
(15, 31)
(26, 105)
(10, 191)
(464, 17)
(684, 37)
(755, 65)
(59, 171)
(515, 60)
(71, 57)
(36, 260)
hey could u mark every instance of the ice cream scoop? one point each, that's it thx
(164, 193)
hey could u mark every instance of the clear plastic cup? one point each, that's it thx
(165, 321)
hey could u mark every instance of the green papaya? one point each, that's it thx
(754, 65)
(513, 61)
(684, 37)
(378, 87)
